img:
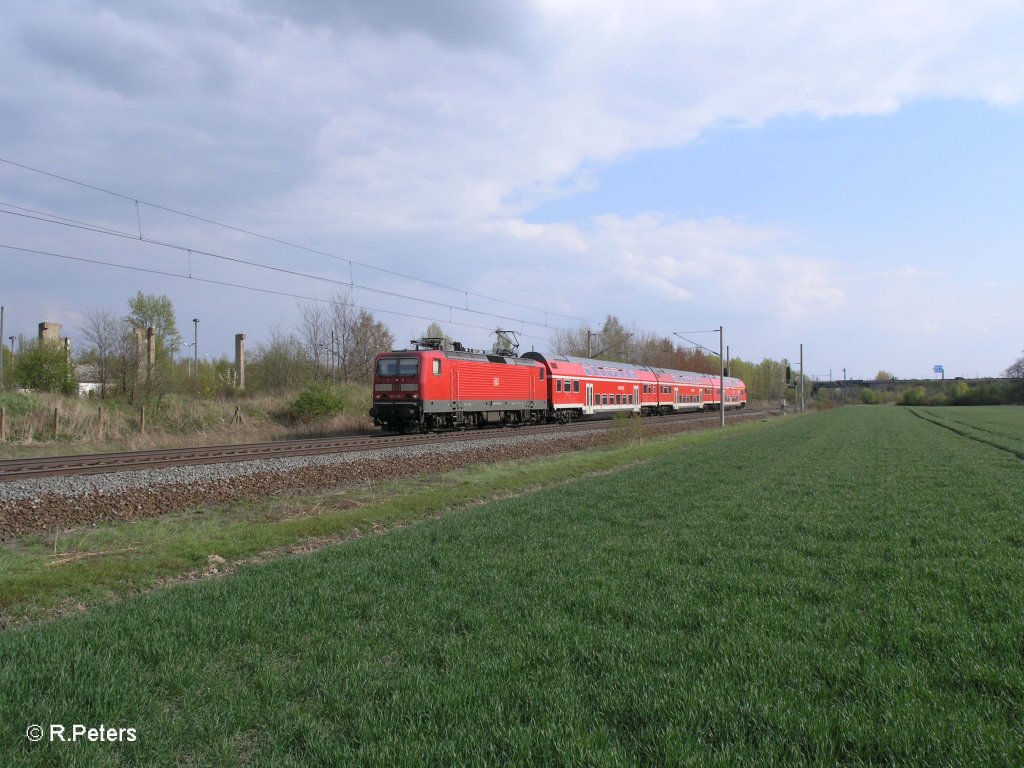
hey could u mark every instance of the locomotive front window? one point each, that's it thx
(398, 366)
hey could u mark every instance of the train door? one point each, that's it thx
(636, 399)
(590, 398)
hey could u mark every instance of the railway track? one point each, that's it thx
(97, 463)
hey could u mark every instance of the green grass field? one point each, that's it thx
(840, 588)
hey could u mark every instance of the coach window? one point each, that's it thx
(558, 385)
(437, 367)
(575, 385)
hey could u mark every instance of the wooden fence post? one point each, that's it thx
(56, 422)
(3, 425)
(99, 431)
(142, 419)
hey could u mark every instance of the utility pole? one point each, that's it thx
(590, 335)
(721, 363)
(195, 344)
(721, 374)
(1, 351)
(801, 378)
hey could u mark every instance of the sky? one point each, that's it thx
(844, 175)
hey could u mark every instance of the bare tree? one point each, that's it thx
(1016, 373)
(316, 336)
(366, 339)
(344, 336)
(572, 341)
(103, 332)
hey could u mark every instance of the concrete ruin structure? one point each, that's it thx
(145, 353)
(240, 359)
(49, 331)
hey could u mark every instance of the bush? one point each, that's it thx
(18, 404)
(45, 365)
(914, 396)
(316, 403)
(868, 397)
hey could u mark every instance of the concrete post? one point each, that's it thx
(801, 378)
(140, 353)
(99, 420)
(56, 422)
(240, 358)
(142, 419)
(3, 425)
(721, 374)
(150, 352)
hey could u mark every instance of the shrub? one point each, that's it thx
(316, 403)
(18, 404)
(45, 365)
(914, 396)
(868, 397)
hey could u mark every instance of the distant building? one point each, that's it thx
(87, 376)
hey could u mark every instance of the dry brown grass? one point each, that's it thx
(172, 421)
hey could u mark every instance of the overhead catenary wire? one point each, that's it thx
(228, 284)
(44, 217)
(696, 343)
(137, 201)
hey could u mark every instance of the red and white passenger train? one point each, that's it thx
(435, 389)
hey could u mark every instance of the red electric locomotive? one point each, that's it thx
(434, 388)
